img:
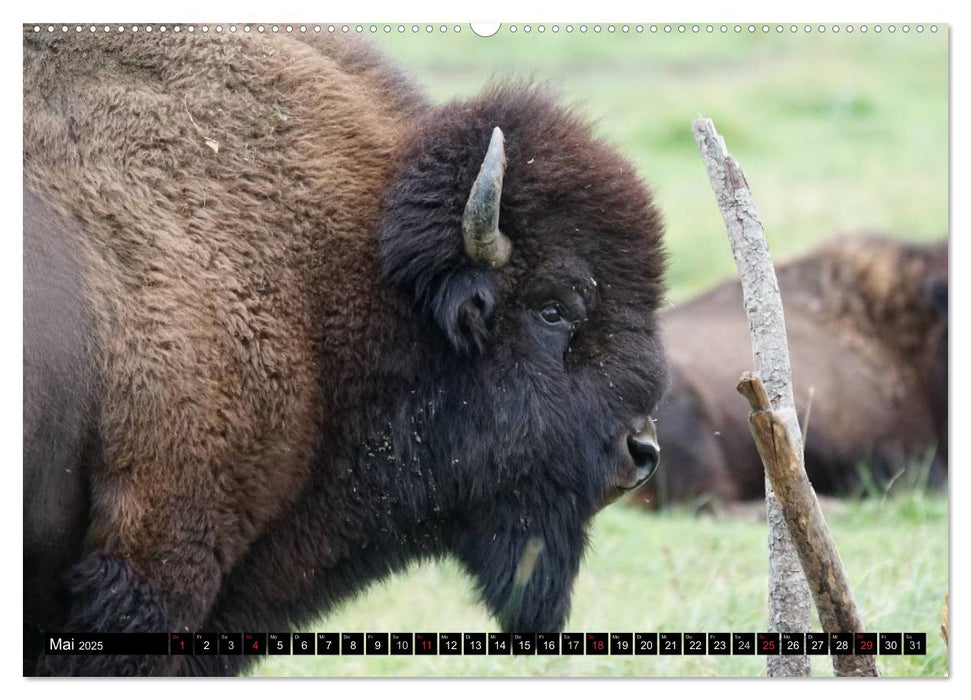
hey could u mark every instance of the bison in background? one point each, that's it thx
(289, 327)
(866, 318)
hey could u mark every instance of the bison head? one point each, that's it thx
(524, 385)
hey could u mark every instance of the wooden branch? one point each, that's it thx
(789, 606)
(820, 559)
(793, 512)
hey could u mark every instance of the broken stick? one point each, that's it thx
(820, 559)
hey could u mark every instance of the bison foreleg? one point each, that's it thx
(107, 596)
(153, 566)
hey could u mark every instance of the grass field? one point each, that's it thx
(669, 571)
(835, 133)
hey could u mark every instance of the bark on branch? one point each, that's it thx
(789, 593)
(820, 559)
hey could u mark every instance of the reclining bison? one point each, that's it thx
(867, 323)
(289, 327)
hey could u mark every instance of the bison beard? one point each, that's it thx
(312, 352)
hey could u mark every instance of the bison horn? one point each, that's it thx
(484, 243)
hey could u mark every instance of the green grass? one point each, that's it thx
(669, 571)
(835, 133)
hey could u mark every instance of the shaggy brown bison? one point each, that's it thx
(289, 327)
(867, 323)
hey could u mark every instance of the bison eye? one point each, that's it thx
(553, 314)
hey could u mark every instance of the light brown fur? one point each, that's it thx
(155, 148)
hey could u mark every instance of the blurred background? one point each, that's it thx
(835, 133)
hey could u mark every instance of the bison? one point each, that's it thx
(289, 326)
(866, 317)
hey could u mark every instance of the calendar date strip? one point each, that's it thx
(489, 643)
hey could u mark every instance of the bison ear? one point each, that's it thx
(421, 259)
(462, 306)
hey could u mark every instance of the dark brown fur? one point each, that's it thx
(866, 318)
(267, 230)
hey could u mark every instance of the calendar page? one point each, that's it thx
(414, 349)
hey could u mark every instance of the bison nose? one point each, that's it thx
(645, 452)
